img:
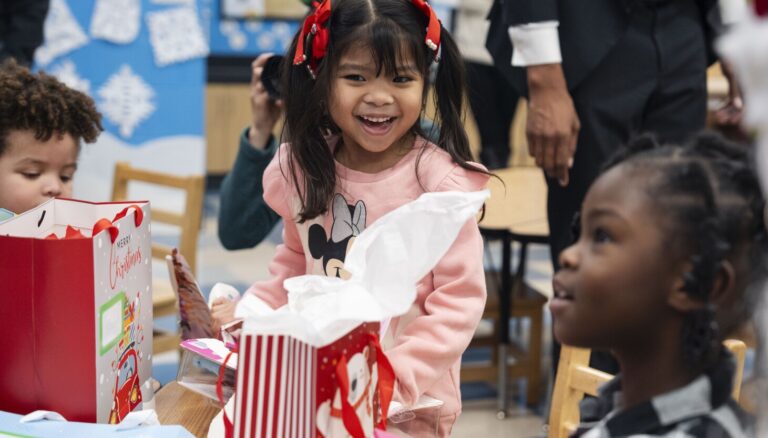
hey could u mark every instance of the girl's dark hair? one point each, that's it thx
(708, 196)
(394, 30)
(41, 104)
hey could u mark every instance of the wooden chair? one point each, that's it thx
(516, 212)
(575, 379)
(164, 300)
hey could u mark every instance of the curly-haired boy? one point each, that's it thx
(42, 122)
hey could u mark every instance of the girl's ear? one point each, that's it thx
(722, 290)
(724, 285)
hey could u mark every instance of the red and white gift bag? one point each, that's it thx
(288, 388)
(76, 312)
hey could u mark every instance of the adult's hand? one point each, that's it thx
(265, 112)
(553, 125)
(222, 312)
(731, 113)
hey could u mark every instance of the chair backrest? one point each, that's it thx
(188, 220)
(575, 379)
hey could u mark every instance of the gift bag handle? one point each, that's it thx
(385, 385)
(138, 217)
(106, 224)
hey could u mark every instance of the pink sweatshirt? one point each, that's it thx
(425, 345)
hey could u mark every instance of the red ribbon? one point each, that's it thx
(229, 427)
(433, 27)
(385, 385)
(314, 26)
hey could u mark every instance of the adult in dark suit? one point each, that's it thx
(21, 28)
(599, 71)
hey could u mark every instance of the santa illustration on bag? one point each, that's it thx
(362, 389)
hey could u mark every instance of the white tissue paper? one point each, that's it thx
(382, 285)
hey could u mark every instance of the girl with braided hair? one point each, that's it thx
(354, 95)
(671, 243)
(42, 122)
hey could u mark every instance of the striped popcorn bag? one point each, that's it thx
(288, 388)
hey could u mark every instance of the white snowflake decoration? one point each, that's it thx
(254, 26)
(63, 34)
(176, 36)
(66, 72)
(235, 37)
(117, 21)
(126, 100)
(228, 26)
(281, 29)
(265, 41)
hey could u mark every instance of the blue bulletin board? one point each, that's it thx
(230, 37)
(251, 37)
(143, 63)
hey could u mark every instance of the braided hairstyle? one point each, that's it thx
(41, 104)
(708, 197)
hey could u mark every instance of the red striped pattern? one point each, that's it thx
(276, 383)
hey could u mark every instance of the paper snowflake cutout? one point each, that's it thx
(176, 36)
(265, 41)
(66, 72)
(282, 30)
(117, 21)
(254, 26)
(126, 100)
(63, 34)
(235, 37)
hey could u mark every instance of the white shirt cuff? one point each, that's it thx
(732, 11)
(535, 44)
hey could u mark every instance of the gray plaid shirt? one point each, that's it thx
(703, 408)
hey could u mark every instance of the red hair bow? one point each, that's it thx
(433, 28)
(314, 25)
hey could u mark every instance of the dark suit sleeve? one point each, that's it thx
(25, 29)
(517, 12)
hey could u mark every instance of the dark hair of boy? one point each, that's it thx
(394, 30)
(713, 212)
(42, 104)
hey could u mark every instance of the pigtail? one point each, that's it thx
(310, 165)
(449, 89)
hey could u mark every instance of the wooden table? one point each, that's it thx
(516, 211)
(176, 404)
